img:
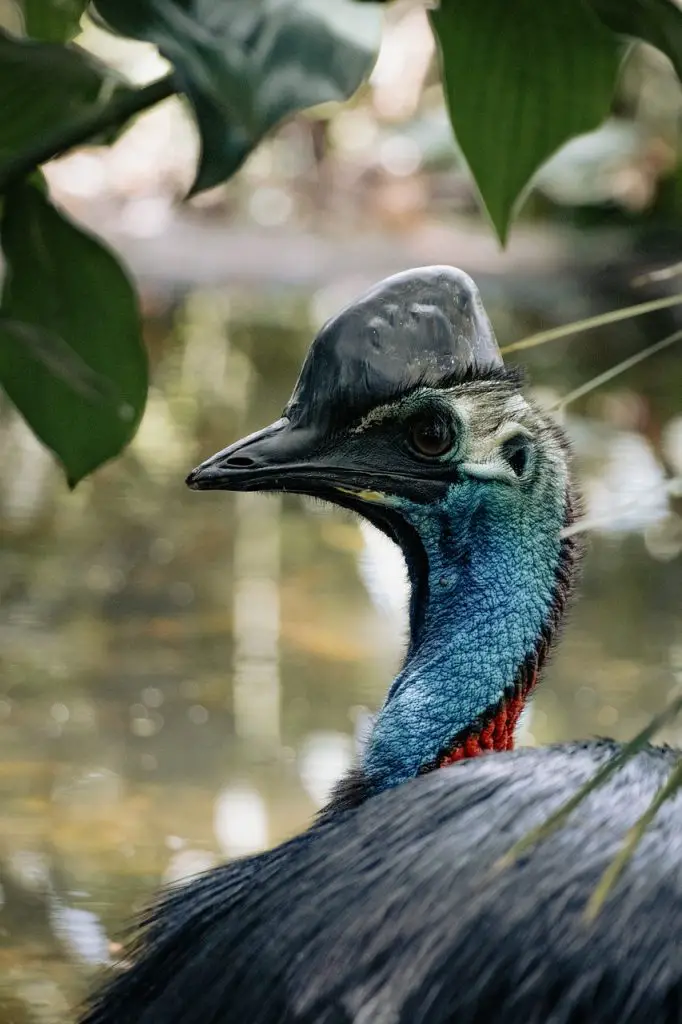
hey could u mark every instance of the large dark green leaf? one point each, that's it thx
(658, 22)
(521, 78)
(71, 352)
(54, 21)
(43, 85)
(248, 64)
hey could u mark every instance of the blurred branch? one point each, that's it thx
(664, 274)
(671, 489)
(86, 127)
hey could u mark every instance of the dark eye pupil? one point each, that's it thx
(431, 437)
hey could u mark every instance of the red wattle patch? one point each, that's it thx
(498, 734)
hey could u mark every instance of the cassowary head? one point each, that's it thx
(405, 413)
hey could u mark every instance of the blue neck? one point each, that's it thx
(490, 587)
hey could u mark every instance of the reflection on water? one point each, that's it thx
(184, 676)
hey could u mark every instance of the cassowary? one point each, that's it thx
(392, 908)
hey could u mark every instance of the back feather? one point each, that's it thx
(395, 912)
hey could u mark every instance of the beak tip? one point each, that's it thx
(193, 480)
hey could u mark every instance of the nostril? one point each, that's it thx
(239, 462)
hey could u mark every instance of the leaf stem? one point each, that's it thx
(85, 127)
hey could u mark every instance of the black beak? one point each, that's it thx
(275, 458)
(298, 460)
(283, 457)
(301, 460)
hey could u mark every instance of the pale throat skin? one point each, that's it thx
(492, 546)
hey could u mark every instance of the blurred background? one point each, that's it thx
(184, 676)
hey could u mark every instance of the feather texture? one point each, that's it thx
(395, 913)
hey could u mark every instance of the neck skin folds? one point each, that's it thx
(496, 577)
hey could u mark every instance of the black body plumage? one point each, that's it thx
(395, 911)
(392, 908)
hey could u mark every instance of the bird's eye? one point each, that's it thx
(431, 436)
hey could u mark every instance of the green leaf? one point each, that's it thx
(521, 79)
(42, 86)
(658, 22)
(71, 353)
(54, 21)
(248, 64)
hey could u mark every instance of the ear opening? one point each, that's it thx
(516, 452)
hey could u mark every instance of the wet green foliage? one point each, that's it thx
(56, 22)
(78, 376)
(246, 66)
(520, 80)
(44, 86)
(243, 67)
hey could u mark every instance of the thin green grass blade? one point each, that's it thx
(560, 816)
(615, 371)
(633, 839)
(601, 320)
